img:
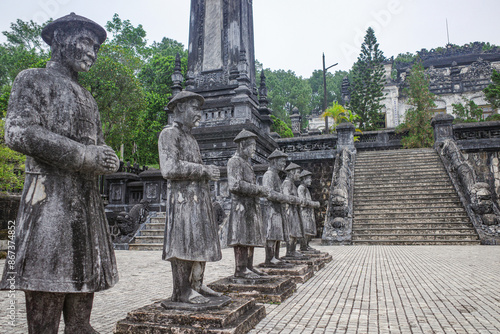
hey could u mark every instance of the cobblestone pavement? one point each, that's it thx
(365, 289)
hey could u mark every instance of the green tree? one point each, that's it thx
(11, 166)
(129, 43)
(468, 112)
(281, 128)
(286, 91)
(492, 92)
(339, 114)
(367, 83)
(169, 47)
(333, 88)
(119, 96)
(24, 49)
(418, 118)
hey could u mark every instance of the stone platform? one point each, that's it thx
(268, 289)
(315, 263)
(299, 273)
(238, 317)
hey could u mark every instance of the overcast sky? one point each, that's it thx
(293, 34)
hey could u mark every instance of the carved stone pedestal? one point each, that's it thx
(299, 273)
(271, 289)
(324, 257)
(315, 263)
(238, 317)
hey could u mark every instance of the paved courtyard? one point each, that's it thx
(365, 289)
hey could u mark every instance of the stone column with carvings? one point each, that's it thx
(443, 128)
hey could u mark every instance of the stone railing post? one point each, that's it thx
(443, 128)
(345, 137)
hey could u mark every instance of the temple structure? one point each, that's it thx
(455, 73)
(221, 68)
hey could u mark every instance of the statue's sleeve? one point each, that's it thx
(171, 164)
(236, 182)
(25, 125)
(302, 192)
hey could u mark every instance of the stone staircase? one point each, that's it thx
(151, 236)
(405, 197)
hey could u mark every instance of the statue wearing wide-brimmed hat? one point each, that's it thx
(292, 215)
(245, 227)
(191, 233)
(272, 208)
(63, 248)
(307, 210)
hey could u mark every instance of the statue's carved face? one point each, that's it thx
(189, 113)
(307, 180)
(248, 147)
(295, 174)
(80, 50)
(281, 164)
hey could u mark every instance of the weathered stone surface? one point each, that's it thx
(63, 249)
(239, 317)
(213, 303)
(338, 220)
(299, 273)
(266, 289)
(191, 237)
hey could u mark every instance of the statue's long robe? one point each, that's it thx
(292, 215)
(245, 220)
(307, 212)
(190, 230)
(272, 212)
(62, 241)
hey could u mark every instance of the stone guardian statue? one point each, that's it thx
(245, 227)
(191, 237)
(292, 215)
(63, 248)
(307, 210)
(272, 208)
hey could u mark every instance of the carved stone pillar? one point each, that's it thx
(345, 136)
(443, 128)
(296, 121)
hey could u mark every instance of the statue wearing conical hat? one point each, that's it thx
(191, 233)
(291, 208)
(272, 208)
(307, 210)
(63, 248)
(245, 228)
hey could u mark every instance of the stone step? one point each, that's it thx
(426, 236)
(402, 219)
(416, 242)
(149, 239)
(411, 231)
(411, 165)
(384, 205)
(416, 196)
(392, 153)
(148, 247)
(359, 179)
(415, 210)
(154, 226)
(399, 185)
(412, 225)
(446, 191)
(152, 233)
(157, 220)
(410, 215)
(391, 173)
